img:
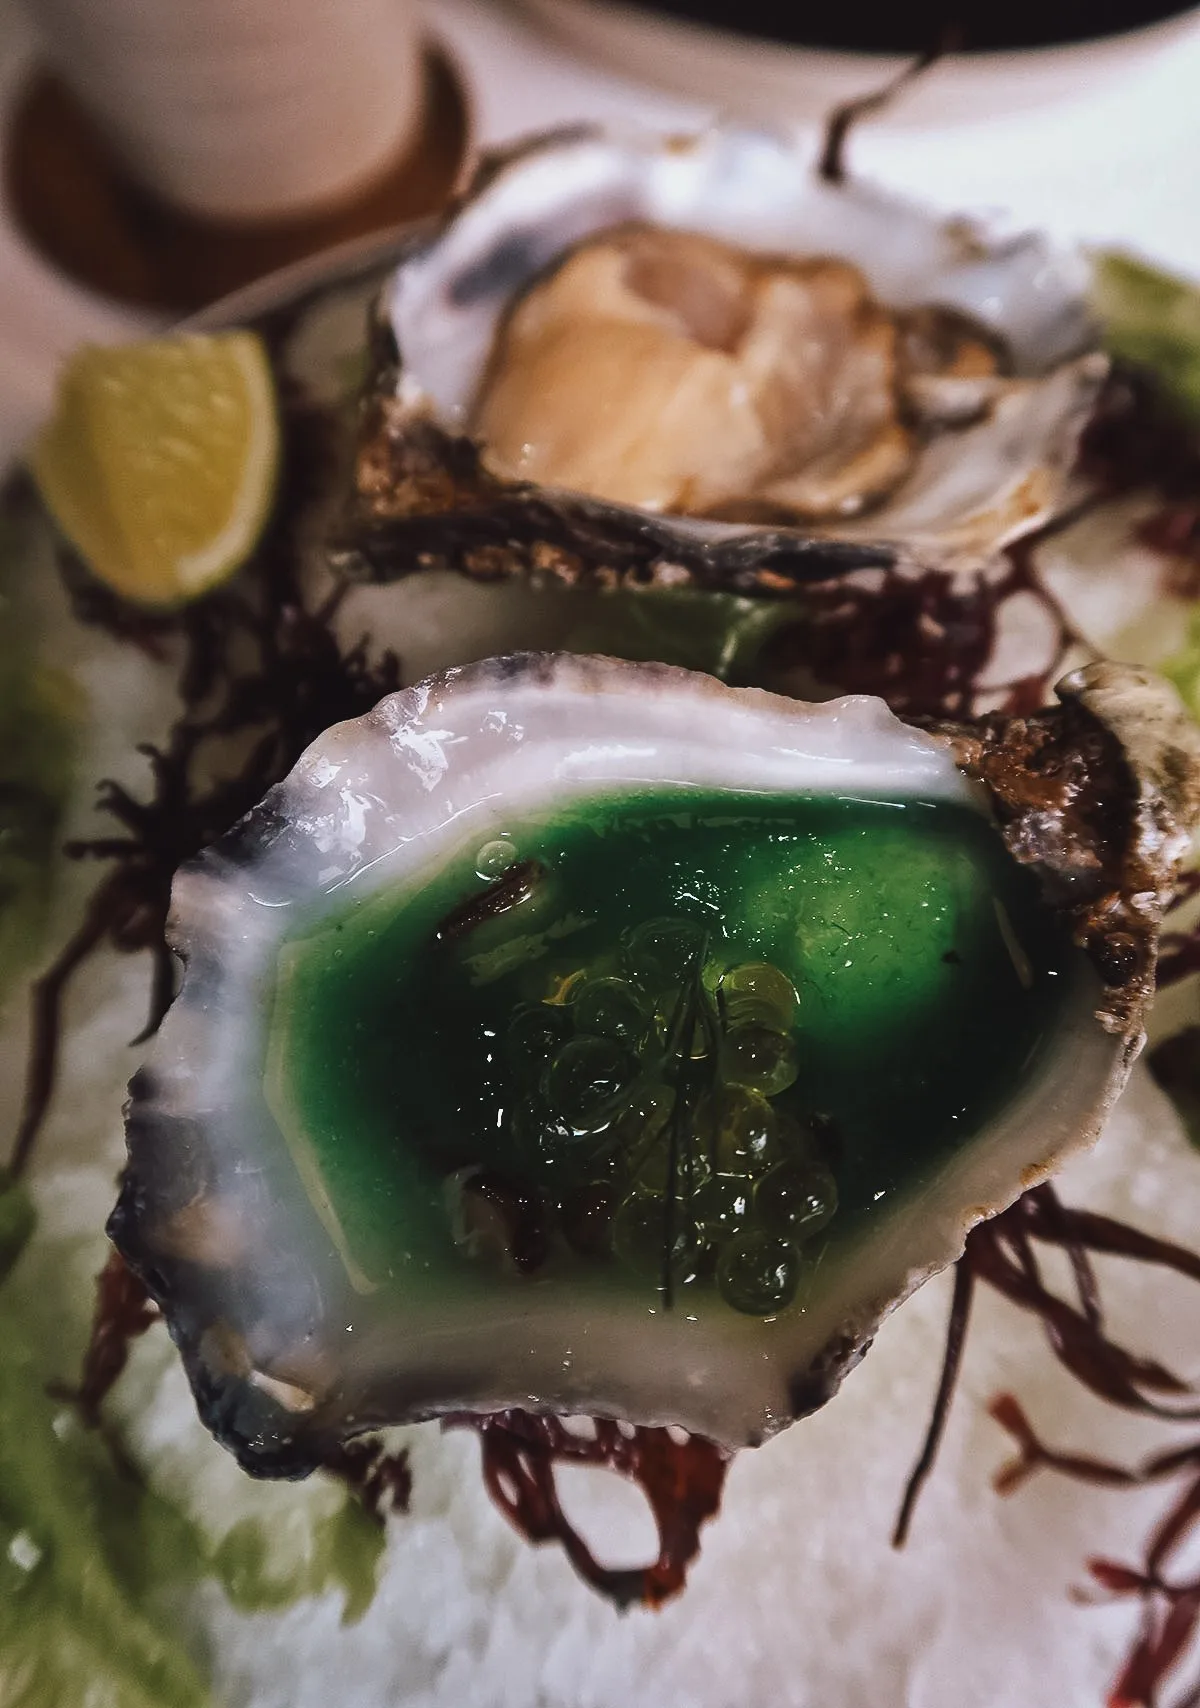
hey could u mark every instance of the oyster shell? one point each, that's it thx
(691, 359)
(299, 1329)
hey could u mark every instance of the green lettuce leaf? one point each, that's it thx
(95, 1563)
(1152, 318)
(1183, 668)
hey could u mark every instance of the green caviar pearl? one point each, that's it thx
(535, 1032)
(609, 1008)
(547, 1153)
(795, 1200)
(705, 1037)
(644, 1138)
(645, 1114)
(639, 1233)
(650, 1164)
(556, 1153)
(722, 1205)
(759, 993)
(650, 1167)
(639, 1230)
(801, 1140)
(526, 1121)
(739, 1132)
(586, 1079)
(704, 1040)
(695, 1256)
(494, 858)
(662, 953)
(758, 1274)
(759, 1059)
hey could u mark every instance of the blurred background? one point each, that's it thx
(160, 156)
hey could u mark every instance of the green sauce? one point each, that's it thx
(678, 1039)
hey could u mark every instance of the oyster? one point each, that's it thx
(766, 385)
(663, 361)
(594, 1038)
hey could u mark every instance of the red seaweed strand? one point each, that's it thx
(1179, 956)
(380, 1478)
(681, 1476)
(1033, 1455)
(46, 1002)
(1049, 1219)
(260, 674)
(1179, 951)
(956, 1338)
(1002, 1254)
(923, 640)
(123, 1312)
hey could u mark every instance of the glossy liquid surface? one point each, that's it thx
(656, 1024)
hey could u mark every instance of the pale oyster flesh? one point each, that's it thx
(785, 318)
(721, 384)
(262, 1223)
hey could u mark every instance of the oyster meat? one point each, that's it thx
(593, 1038)
(720, 383)
(692, 359)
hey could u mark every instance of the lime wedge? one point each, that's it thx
(159, 462)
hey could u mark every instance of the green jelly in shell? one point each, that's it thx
(591, 1037)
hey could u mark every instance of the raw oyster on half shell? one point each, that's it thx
(593, 1038)
(662, 361)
